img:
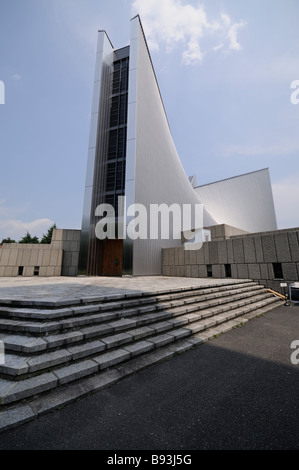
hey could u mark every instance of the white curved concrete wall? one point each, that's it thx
(245, 202)
(154, 172)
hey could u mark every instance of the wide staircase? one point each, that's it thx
(58, 352)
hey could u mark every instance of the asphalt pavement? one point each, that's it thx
(239, 391)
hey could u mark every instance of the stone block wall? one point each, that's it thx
(69, 242)
(29, 260)
(60, 258)
(258, 256)
(223, 231)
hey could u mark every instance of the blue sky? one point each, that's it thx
(224, 67)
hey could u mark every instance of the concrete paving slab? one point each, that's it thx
(62, 289)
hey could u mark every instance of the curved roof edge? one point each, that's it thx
(232, 177)
(151, 60)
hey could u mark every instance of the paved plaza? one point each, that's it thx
(57, 288)
(237, 391)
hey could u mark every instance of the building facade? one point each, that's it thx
(133, 166)
(132, 154)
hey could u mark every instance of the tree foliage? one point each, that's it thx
(29, 239)
(7, 240)
(48, 237)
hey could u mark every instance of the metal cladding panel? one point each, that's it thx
(97, 142)
(158, 176)
(245, 202)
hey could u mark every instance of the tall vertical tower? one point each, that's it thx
(132, 154)
(105, 178)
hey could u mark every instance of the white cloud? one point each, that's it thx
(286, 196)
(13, 227)
(193, 53)
(170, 22)
(232, 36)
(16, 76)
(16, 229)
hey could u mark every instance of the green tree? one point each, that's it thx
(7, 240)
(29, 239)
(48, 237)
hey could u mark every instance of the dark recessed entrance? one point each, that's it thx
(113, 258)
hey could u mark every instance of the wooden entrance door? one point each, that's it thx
(113, 258)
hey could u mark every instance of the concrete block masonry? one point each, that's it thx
(268, 257)
(60, 258)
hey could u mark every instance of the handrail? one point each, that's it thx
(276, 293)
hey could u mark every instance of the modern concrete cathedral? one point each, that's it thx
(132, 154)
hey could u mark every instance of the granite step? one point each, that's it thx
(50, 397)
(112, 335)
(29, 344)
(119, 298)
(59, 351)
(151, 349)
(44, 314)
(39, 328)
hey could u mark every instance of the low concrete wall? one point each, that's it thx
(223, 232)
(43, 259)
(69, 242)
(249, 256)
(60, 258)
